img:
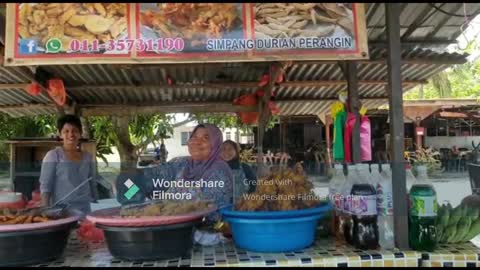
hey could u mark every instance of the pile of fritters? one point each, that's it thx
(67, 21)
(288, 189)
(194, 21)
(288, 20)
(164, 208)
(11, 217)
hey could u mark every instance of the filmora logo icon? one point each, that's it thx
(132, 189)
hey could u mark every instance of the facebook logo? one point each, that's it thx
(28, 46)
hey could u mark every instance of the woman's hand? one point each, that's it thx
(45, 199)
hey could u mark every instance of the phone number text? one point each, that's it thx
(141, 45)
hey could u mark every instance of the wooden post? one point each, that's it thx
(328, 123)
(399, 187)
(260, 127)
(264, 112)
(12, 166)
(284, 136)
(448, 128)
(350, 70)
(418, 138)
(280, 126)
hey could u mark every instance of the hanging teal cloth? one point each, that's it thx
(338, 128)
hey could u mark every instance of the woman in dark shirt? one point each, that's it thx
(244, 177)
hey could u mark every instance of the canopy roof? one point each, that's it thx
(309, 89)
(428, 25)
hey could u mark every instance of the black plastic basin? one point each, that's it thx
(150, 243)
(35, 246)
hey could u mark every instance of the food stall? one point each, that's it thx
(127, 59)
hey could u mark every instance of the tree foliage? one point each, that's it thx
(143, 130)
(34, 126)
(153, 129)
(460, 81)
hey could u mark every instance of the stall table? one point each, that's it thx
(325, 252)
(457, 255)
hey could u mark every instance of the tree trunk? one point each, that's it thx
(126, 150)
(86, 127)
(421, 93)
(442, 85)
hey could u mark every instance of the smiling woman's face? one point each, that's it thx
(199, 145)
(70, 134)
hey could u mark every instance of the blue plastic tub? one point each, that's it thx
(321, 209)
(274, 235)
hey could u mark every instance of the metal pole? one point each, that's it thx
(400, 207)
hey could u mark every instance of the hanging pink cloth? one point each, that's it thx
(347, 137)
(365, 139)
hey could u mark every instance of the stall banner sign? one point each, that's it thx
(79, 33)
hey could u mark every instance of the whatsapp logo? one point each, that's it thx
(53, 45)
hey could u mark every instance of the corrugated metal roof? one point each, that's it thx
(112, 84)
(19, 112)
(428, 23)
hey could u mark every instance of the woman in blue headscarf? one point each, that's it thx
(202, 176)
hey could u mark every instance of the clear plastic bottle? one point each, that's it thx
(385, 209)
(336, 184)
(386, 171)
(375, 172)
(364, 210)
(345, 218)
(410, 177)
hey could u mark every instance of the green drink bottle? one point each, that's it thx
(423, 210)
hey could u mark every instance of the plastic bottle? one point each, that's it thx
(364, 210)
(386, 171)
(422, 214)
(375, 172)
(410, 177)
(345, 218)
(385, 208)
(336, 184)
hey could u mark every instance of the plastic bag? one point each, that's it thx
(87, 232)
(56, 90)
(247, 100)
(36, 200)
(365, 139)
(34, 89)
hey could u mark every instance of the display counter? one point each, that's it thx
(325, 252)
(456, 255)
